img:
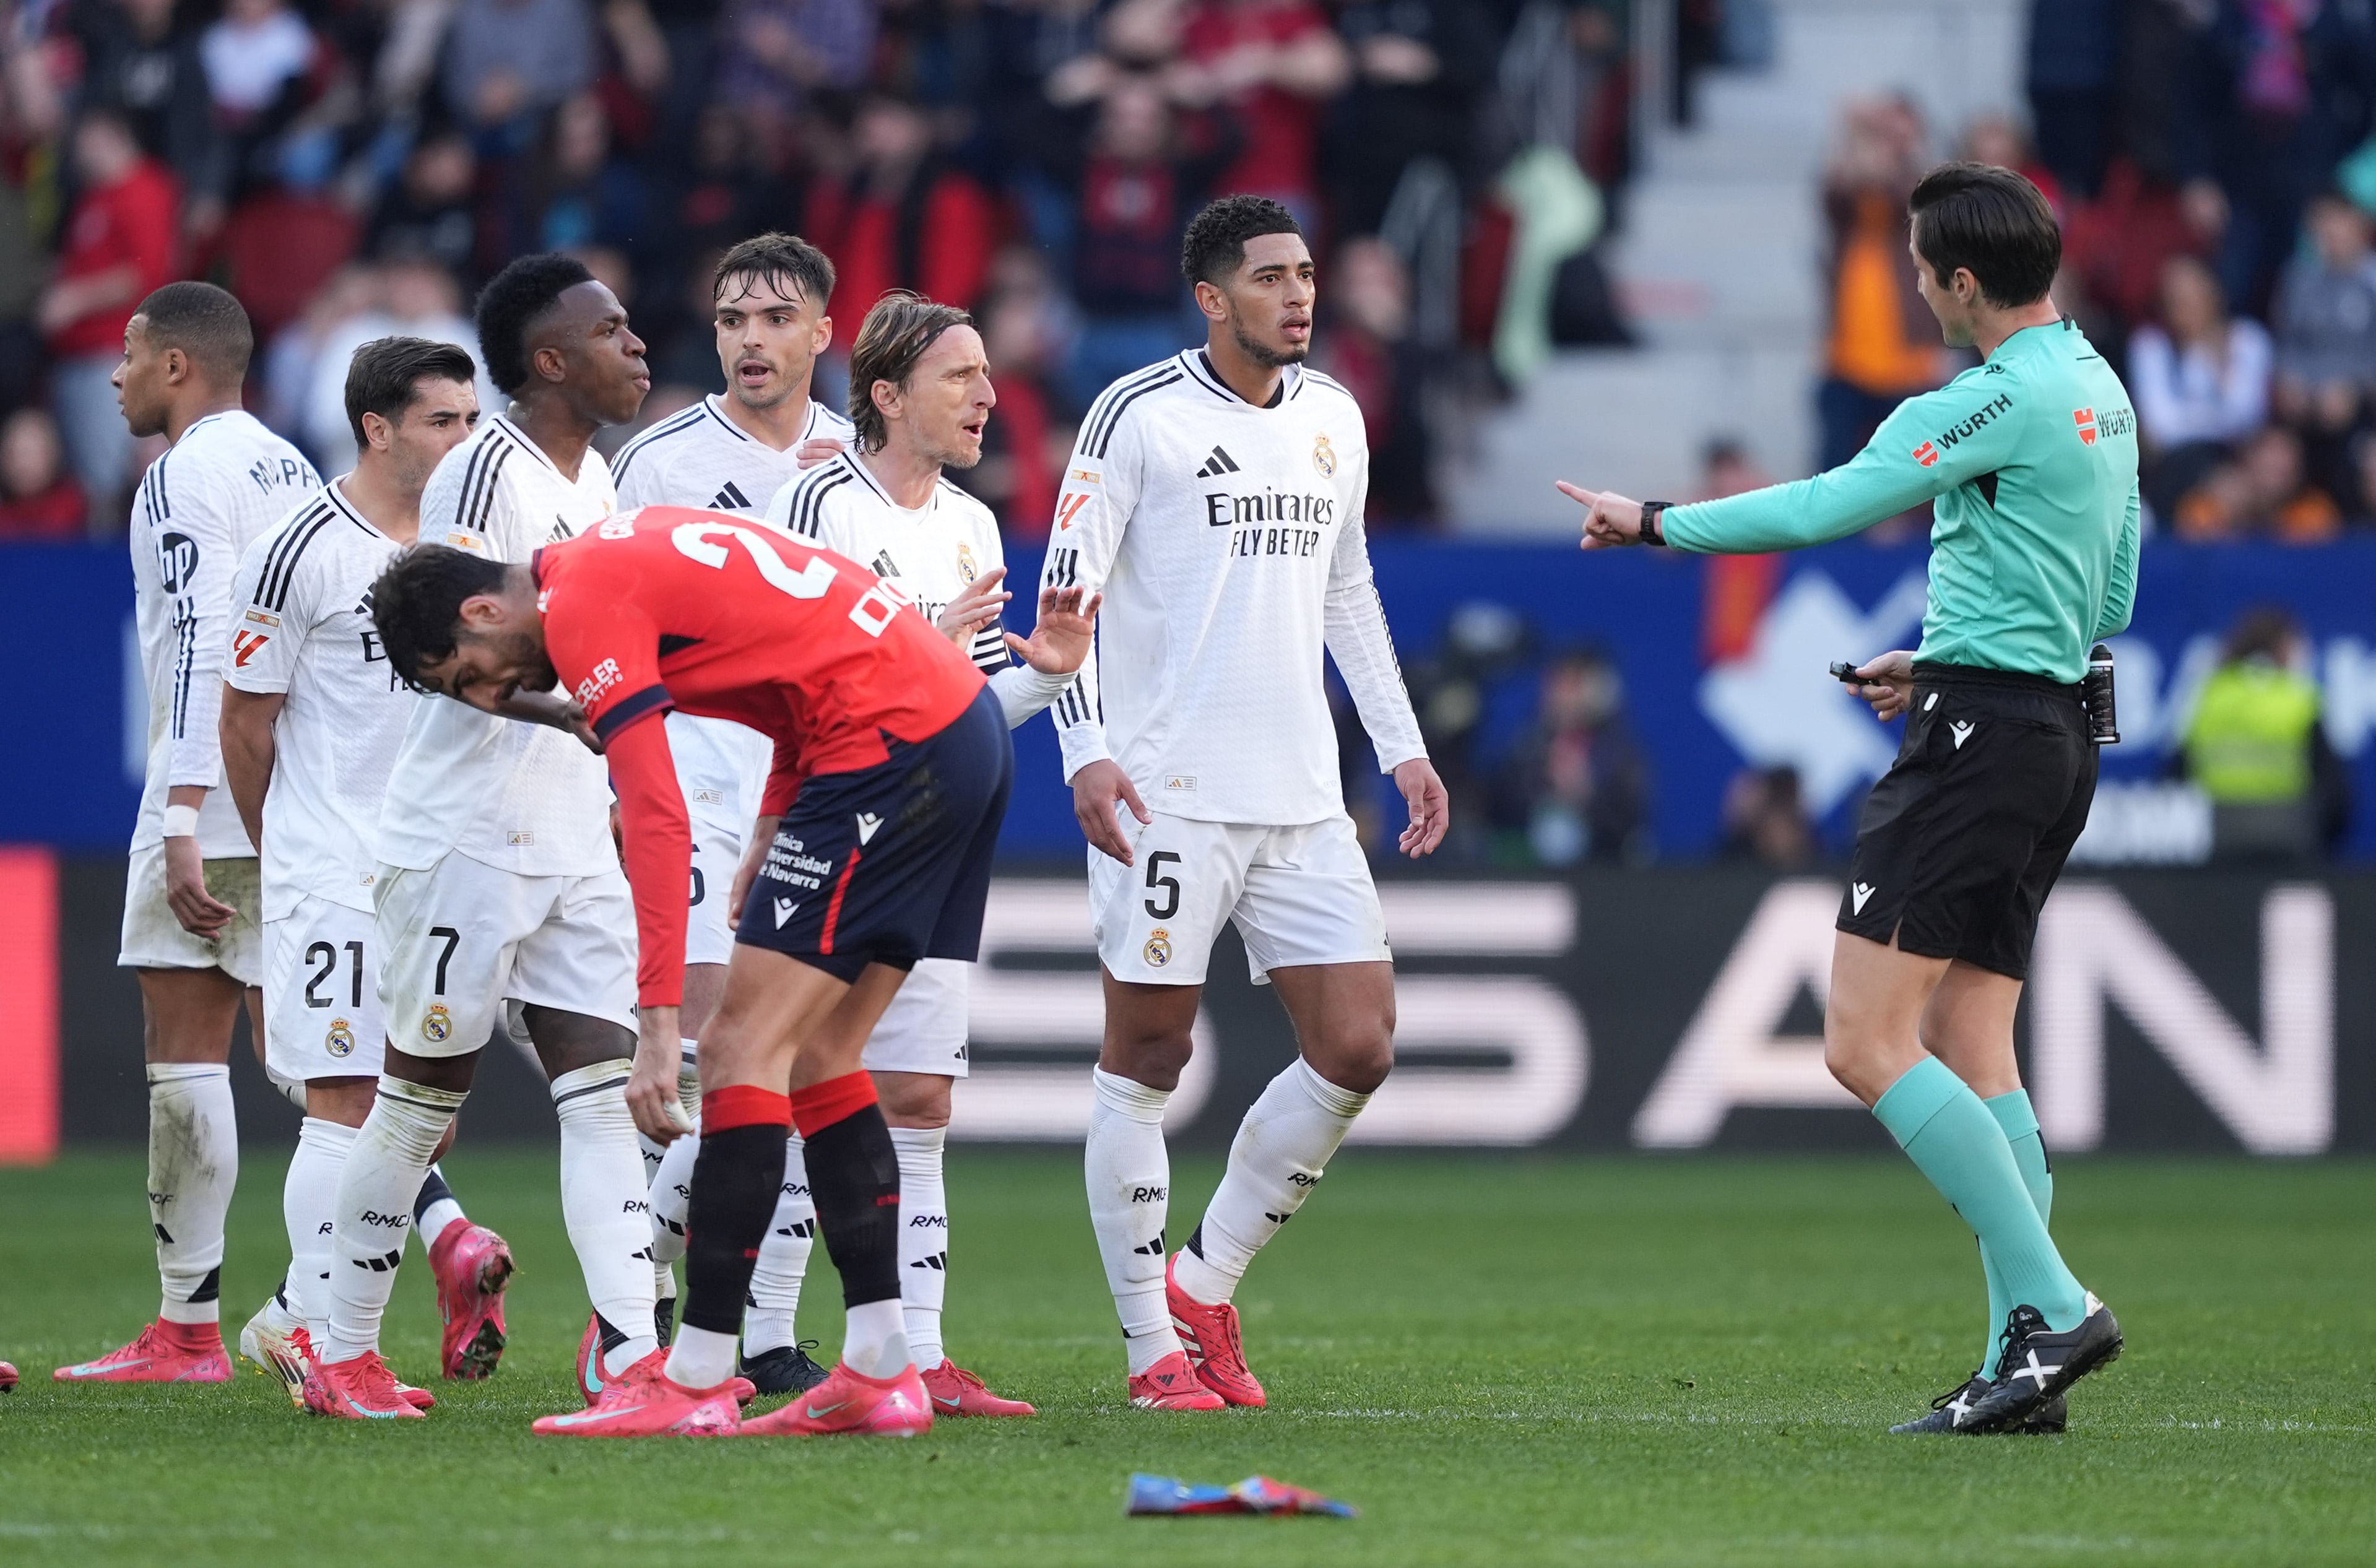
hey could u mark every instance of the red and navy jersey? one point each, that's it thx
(670, 608)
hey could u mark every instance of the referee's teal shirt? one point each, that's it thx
(2031, 462)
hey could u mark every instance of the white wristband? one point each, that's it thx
(180, 821)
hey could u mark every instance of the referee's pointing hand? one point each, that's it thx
(1609, 519)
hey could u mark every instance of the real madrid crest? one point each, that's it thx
(437, 1024)
(340, 1040)
(1158, 951)
(1323, 456)
(966, 566)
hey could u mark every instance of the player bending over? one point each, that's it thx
(2030, 461)
(920, 397)
(732, 453)
(1216, 498)
(498, 884)
(891, 772)
(190, 895)
(311, 719)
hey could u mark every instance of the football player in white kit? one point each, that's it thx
(732, 453)
(190, 898)
(498, 880)
(921, 397)
(1217, 499)
(311, 719)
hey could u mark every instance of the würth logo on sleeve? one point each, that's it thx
(1931, 451)
(2085, 419)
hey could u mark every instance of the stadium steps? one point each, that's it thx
(1720, 265)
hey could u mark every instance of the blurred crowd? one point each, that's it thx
(2213, 162)
(353, 167)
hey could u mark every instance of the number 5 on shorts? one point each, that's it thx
(1169, 885)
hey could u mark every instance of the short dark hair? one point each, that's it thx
(1991, 221)
(510, 305)
(205, 323)
(417, 604)
(786, 262)
(384, 376)
(1215, 246)
(896, 332)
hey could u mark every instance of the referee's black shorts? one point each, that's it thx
(1962, 837)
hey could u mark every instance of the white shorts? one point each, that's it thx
(1299, 895)
(923, 1030)
(321, 993)
(717, 856)
(153, 939)
(460, 939)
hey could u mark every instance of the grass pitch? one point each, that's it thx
(1500, 1360)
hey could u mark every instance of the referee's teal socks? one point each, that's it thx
(1956, 1141)
(2020, 1123)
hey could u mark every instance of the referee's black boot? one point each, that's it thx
(787, 1368)
(1951, 1410)
(2039, 1364)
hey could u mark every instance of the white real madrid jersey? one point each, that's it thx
(931, 554)
(699, 458)
(522, 798)
(1228, 542)
(304, 628)
(226, 481)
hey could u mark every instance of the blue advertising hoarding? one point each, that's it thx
(75, 709)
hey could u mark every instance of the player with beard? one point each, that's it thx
(892, 767)
(1217, 499)
(190, 899)
(732, 453)
(499, 886)
(311, 722)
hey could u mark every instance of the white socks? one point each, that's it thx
(604, 1204)
(309, 1205)
(1277, 1160)
(688, 1077)
(875, 1339)
(671, 1197)
(783, 1260)
(924, 1238)
(376, 1191)
(700, 1358)
(193, 1166)
(1129, 1173)
(429, 1223)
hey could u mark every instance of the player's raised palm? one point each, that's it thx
(1060, 643)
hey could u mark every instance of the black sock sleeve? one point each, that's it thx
(735, 1180)
(854, 1181)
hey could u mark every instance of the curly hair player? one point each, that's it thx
(1218, 498)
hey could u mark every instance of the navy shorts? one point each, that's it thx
(890, 863)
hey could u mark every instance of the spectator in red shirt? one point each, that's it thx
(38, 498)
(1272, 63)
(901, 219)
(119, 245)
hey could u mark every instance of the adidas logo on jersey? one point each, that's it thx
(731, 499)
(1216, 465)
(884, 566)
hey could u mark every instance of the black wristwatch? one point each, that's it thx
(1651, 532)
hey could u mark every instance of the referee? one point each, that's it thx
(2030, 459)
